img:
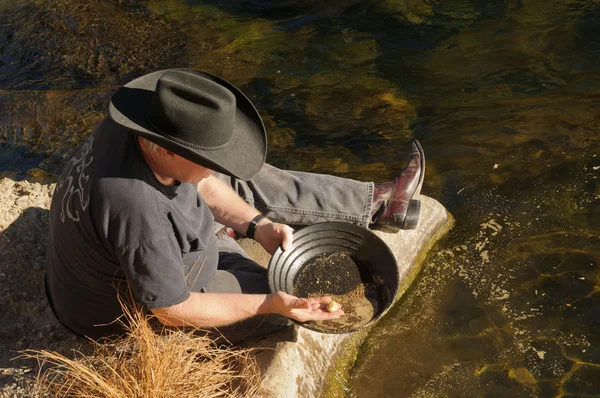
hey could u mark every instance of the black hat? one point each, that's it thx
(196, 115)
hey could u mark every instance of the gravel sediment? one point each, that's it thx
(27, 321)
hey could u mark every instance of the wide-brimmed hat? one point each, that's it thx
(196, 115)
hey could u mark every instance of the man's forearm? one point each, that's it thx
(227, 207)
(213, 310)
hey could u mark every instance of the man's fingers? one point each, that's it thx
(332, 315)
(320, 315)
(302, 303)
(288, 237)
(320, 300)
(311, 309)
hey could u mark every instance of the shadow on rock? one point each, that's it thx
(27, 321)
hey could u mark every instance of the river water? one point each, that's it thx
(503, 95)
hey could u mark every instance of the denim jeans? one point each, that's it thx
(299, 198)
(289, 197)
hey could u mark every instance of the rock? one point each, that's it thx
(333, 306)
(304, 364)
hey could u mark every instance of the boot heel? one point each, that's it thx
(412, 214)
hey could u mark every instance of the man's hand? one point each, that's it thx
(301, 309)
(271, 234)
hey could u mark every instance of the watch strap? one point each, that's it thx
(252, 226)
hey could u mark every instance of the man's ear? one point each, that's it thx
(166, 153)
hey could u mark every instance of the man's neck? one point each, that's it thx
(155, 163)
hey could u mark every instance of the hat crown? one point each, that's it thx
(191, 108)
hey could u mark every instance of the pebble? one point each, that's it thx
(333, 306)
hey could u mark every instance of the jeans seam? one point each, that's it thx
(315, 213)
(369, 204)
(249, 200)
(360, 219)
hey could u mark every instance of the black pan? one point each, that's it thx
(376, 262)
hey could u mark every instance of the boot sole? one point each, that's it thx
(422, 174)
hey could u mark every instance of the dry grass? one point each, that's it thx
(146, 363)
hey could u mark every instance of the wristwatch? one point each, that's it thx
(252, 226)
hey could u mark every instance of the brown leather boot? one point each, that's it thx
(393, 207)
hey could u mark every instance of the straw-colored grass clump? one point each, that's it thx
(149, 364)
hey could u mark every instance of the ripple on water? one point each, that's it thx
(504, 308)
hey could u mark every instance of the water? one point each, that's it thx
(504, 96)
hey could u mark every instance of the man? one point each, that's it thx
(135, 209)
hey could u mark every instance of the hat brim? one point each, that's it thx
(242, 157)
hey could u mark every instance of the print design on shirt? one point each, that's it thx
(75, 172)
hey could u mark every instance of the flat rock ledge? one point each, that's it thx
(304, 363)
(295, 362)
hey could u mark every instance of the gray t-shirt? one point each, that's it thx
(114, 226)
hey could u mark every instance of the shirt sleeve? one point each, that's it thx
(155, 273)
